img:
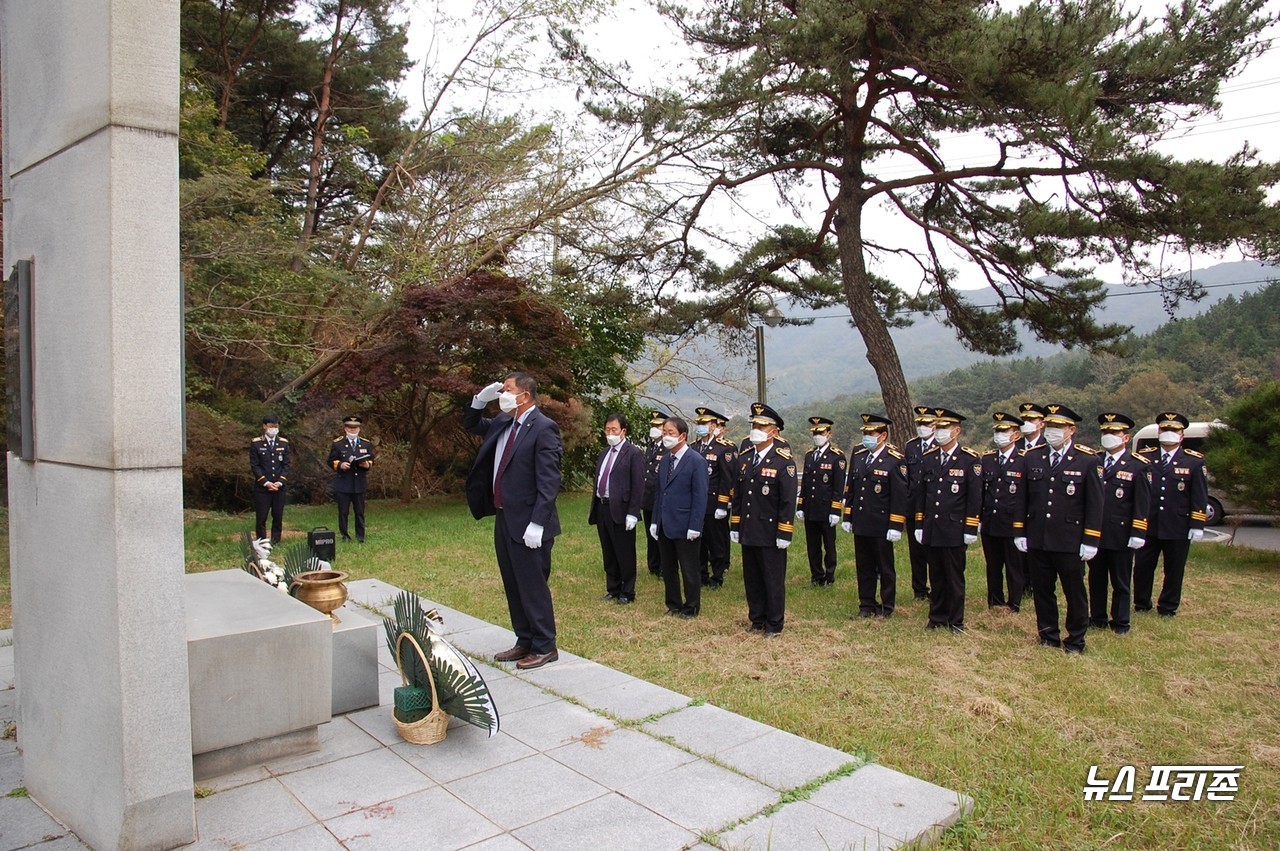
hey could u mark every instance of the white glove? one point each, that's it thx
(893, 536)
(1020, 544)
(833, 519)
(490, 393)
(847, 526)
(533, 536)
(632, 520)
(799, 513)
(733, 536)
(653, 531)
(1087, 552)
(1137, 543)
(722, 513)
(919, 536)
(692, 535)
(782, 545)
(969, 539)
(1195, 534)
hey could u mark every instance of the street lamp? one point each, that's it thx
(773, 318)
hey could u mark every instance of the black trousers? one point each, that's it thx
(1114, 568)
(1003, 559)
(873, 556)
(820, 537)
(618, 546)
(651, 554)
(680, 566)
(714, 552)
(264, 502)
(764, 574)
(1175, 554)
(1047, 569)
(525, 573)
(346, 502)
(946, 575)
(919, 564)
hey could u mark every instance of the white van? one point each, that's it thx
(1193, 438)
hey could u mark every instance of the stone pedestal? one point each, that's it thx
(355, 659)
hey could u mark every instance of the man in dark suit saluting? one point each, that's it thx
(679, 504)
(616, 507)
(516, 478)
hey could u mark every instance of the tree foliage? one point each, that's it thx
(1245, 459)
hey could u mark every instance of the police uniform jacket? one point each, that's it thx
(822, 488)
(653, 456)
(720, 455)
(950, 498)
(269, 464)
(1064, 504)
(356, 478)
(1179, 493)
(763, 504)
(875, 498)
(1126, 500)
(1004, 497)
(913, 453)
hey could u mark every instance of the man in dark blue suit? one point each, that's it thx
(516, 478)
(616, 506)
(679, 505)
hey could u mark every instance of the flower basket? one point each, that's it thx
(431, 728)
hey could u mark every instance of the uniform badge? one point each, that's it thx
(877, 487)
(765, 490)
(1119, 493)
(826, 477)
(955, 487)
(1182, 486)
(1013, 487)
(1071, 489)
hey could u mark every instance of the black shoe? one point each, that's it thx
(716, 584)
(688, 616)
(1045, 642)
(1120, 630)
(1098, 624)
(607, 597)
(754, 628)
(1167, 614)
(768, 634)
(863, 614)
(1142, 608)
(1074, 651)
(883, 614)
(626, 601)
(1013, 608)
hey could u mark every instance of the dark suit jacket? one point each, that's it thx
(531, 481)
(680, 504)
(1179, 494)
(1126, 491)
(875, 499)
(354, 479)
(949, 505)
(1064, 504)
(1004, 495)
(268, 466)
(626, 484)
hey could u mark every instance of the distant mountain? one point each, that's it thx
(827, 358)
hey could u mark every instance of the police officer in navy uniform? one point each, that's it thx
(653, 454)
(1032, 427)
(1179, 509)
(1003, 495)
(875, 511)
(1063, 526)
(720, 455)
(762, 520)
(1126, 501)
(269, 458)
(821, 500)
(947, 510)
(913, 451)
(351, 456)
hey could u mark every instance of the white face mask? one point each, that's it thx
(942, 436)
(1002, 438)
(272, 432)
(1027, 428)
(614, 439)
(1055, 437)
(655, 433)
(820, 440)
(507, 401)
(702, 430)
(869, 442)
(670, 441)
(757, 436)
(1112, 441)
(924, 431)
(1170, 439)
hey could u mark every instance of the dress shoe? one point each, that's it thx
(515, 654)
(537, 660)
(607, 597)
(883, 614)
(626, 601)
(862, 614)
(1167, 614)
(688, 616)
(1046, 642)
(716, 584)
(1014, 608)
(754, 628)
(1120, 630)
(1098, 624)
(1074, 651)
(768, 634)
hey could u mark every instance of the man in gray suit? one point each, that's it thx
(678, 507)
(516, 478)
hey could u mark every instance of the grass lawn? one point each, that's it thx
(989, 713)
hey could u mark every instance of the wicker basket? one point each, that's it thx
(432, 728)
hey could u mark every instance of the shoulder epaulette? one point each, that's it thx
(259, 439)
(970, 451)
(931, 450)
(1142, 458)
(892, 450)
(1193, 453)
(340, 438)
(861, 450)
(836, 449)
(784, 452)
(283, 439)
(724, 442)
(990, 452)
(1039, 447)
(1087, 450)
(1150, 450)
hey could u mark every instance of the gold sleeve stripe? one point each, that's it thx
(919, 516)
(1092, 533)
(1140, 525)
(724, 497)
(897, 518)
(1018, 524)
(1199, 515)
(971, 521)
(836, 505)
(786, 527)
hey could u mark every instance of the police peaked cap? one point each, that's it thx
(875, 422)
(352, 421)
(1031, 411)
(1060, 415)
(763, 414)
(272, 417)
(1114, 422)
(1001, 420)
(942, 417)
(706, 415)
(924, 415)
(657, 418)
(1172, 419)
(820, 424)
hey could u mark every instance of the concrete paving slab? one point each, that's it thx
(313, 838)
(574, 677)
(619, 756)
(553, 724)
(784, 761)
(505, 842)
(892, 803)
(800, 826)
(10, 773)
(340, 738)
(707, 729)
(485, 641)
(378, 722)
(372, 593)
(632, 700)
(354, 783)
(465, 751)
(248, 814)
(23, 823)
(511, 694)
(243, 777)
(522, 792)
(456, 622)
(431, 819)
(607, 822)
(700, 796)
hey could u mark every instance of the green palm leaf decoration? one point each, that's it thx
(295, 562)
